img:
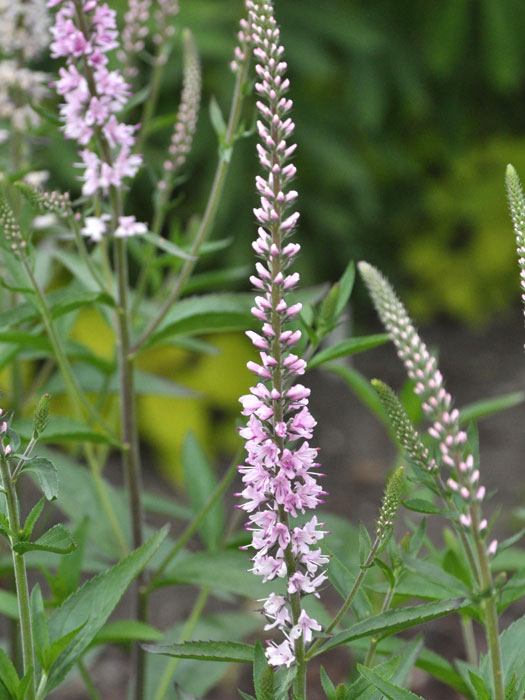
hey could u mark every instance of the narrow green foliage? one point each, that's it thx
(391, 501)
(55, 202)
(404, 430)
(229, 652)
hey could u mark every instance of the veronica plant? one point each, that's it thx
(453, 452)
(280, 469)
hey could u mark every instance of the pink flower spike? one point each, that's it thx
(279, 474)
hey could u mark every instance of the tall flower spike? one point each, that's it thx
(280, 468)
(186, 123)
(84, 34)
(166, 11)
(422, 368)
(517, 211)
(134, 34)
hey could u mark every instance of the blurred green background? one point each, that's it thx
(407, 112)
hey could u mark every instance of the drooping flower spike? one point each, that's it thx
(445, 430)
(84, 33)
(279, 473)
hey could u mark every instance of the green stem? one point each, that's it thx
(153, 96)
(469, 640)
(210, 212)
(186, 633)
(195, 523)
(387, 602)
(130, 447)
(88, 682)
(489, 606)
(78, 398)
(22, 587)
(350, 597)
(67, 373)
(84, 254)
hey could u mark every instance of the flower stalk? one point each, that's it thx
(453, 451)
(21, 582)
(280, 466)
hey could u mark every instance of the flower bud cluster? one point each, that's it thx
(11, 230)
(186, 122)
(422, 368)
(54, 201)
(134, 34)
(165, 12)
(242, 50)
(279, 474)
(84, 33)
(5, 447)
(391, 502)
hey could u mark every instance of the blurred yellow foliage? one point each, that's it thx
(217, 380)
(464, 263)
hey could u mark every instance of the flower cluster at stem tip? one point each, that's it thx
(84, 33)
(437, 404)
(280, 467)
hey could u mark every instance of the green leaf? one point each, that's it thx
(393, 621)
(199, 482)
(67, 577)
(420, 505)
(230, 652)
(55, 649)
(348, 347)
(392, 692)
(206, 314)
(57, 540)
(327, 685)
(8, 677)
(62, 429)
(8, 604)
(39, 622)
(32, 518)
(124, 631)
(154, 503)
(437, 576)
(45, 474)
(92, 604)
(346, 285)
(488, 407)
(512, 642)
(221, 571)
(263, 676)
(217, 120)
(167, 246)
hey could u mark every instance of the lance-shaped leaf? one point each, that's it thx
(229, 652)
(393, 621)
(348, 347)
(91, 605)
(391, 691)
(57, 540)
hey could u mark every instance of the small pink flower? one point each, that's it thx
(129, 226)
